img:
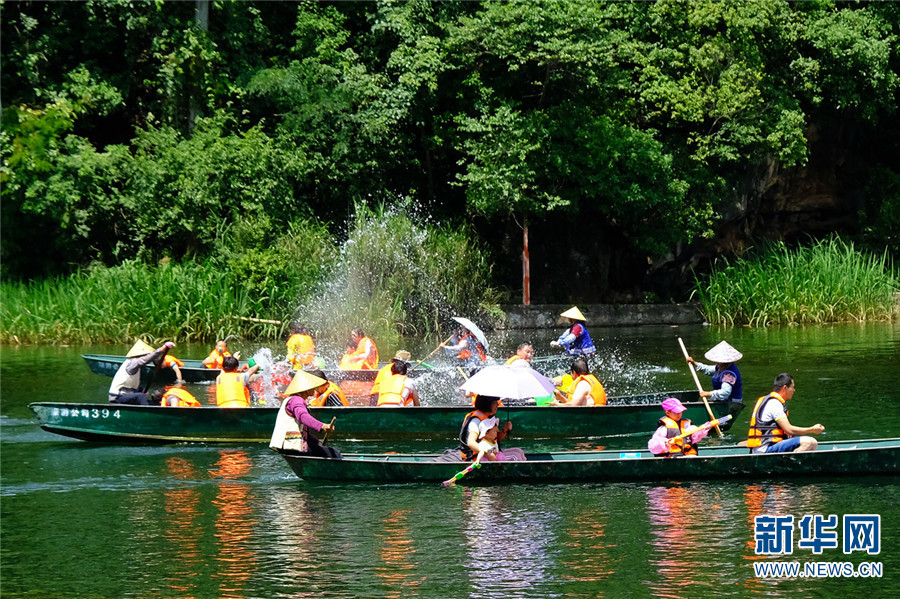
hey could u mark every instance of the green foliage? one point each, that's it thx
(187, 302)
(881, 216)
(829, 281)
(132, 130)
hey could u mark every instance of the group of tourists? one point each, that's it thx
(770, 430)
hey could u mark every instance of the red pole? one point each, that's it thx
(526, 269)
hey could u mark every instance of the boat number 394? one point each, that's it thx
(86, 413)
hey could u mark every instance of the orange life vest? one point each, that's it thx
(170, 359)
(683, 446)
(301, 350)
(383, 372)
(319, 400)
(184, 397)
(231, 392)
(764, 433)
(465, 451)
(215, 359)
(597, 392)
(370, 363)
(513, 359)
(467, 353)
(391, 393)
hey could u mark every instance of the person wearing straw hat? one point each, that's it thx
(576, 341)
(294, 423)
(127, 379)
(726, 378)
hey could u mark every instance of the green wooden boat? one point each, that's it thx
(194, 371)
(210, 424)
(839, 458)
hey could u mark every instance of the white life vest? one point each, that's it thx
(288, 433)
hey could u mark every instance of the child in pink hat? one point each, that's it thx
(672, 425)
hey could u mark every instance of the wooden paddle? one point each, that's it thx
(325, 436)
(419, 363)
(699, 387)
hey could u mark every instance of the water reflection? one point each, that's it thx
(182, 529)
(501, 538)
(233, 526)
(397, 555)
(691, 526)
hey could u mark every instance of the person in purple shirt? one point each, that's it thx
(294, 424)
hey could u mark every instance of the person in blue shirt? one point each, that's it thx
(726, 378)
(576, 341)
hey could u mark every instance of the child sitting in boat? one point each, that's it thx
(488, 449)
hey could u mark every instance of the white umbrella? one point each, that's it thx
(473, 328)
(513, 383)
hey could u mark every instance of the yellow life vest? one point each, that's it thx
(767, 433)
(231, 392)
(683, 446)
(301, 350)
(215, 359)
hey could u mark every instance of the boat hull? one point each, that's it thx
(210, 424)
(842, 458)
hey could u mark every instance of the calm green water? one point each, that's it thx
(89, 520)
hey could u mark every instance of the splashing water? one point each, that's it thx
(271, 373)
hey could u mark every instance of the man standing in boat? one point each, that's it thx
(576, 341)
(770, 429)
(294, 423)
(127, 379)
(726, 378)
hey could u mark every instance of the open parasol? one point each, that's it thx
(508, 382)
(473, 328)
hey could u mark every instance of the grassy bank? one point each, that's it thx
(828, 281)
(392, 275)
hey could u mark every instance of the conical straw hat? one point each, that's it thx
(138, 349)
(574, 313)
(303, 381)
(723, 354)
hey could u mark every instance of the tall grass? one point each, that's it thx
(188, 302)
(393, 276)
(828, 281)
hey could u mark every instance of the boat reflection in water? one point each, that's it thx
(181, 529)
(234, 524)
(500, 536)
(397, 556)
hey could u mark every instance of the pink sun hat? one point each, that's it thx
(670, 404)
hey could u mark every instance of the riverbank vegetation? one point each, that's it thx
(392, 275)
(233, 142)
(827, 281)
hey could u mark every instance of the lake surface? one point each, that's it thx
(92, 520)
